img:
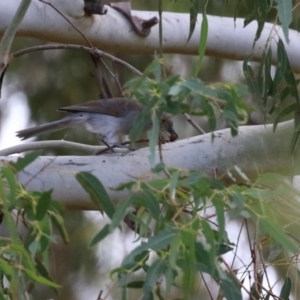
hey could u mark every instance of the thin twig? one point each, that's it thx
(236, 248)
(51, 160)
(270, 292)
(240, 284)
(265, 269)
(93, 51)
(100, 295)
(194, 124)
(46, 145)
(117, 79)
(100, 75)
(207, 287)
(73, 25)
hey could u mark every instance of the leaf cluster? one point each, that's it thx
(278, 93)
(178, 95)
(28, 219)
(181, 241)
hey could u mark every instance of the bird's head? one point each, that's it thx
(166, 124)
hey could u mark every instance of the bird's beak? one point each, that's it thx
(174, 136)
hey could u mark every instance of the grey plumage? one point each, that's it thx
(108, 118)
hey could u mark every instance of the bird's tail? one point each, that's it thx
(66, 122)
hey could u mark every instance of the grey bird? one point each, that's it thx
(108, 118)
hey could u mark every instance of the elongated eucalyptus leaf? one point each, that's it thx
(101, 235)
(158, 242)
(194, 9)
(97, 192)
(43, 205)
(286, 289)
(202, 41)
(23, 162)
(284, 8)
(157, 269)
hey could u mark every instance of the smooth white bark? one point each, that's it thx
(112, 32)
(255, 150)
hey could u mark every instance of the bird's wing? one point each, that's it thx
(117, 107)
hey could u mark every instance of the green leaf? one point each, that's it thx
(6, 214)
(170, 275)
(258, 13)
(23, 162)
(220, 211)
(148, 200)
(280, 69)
(121, 212)
(43, 205)
(153, 135)
(274, 250)
(209, 111)
(58, 221)
(266, 80)
(204, 262)
(194, 9)
(230, 286)
(285, 112)
(195, 84)
(285, 16)
(210, 239)
(32, 275)
(153, 274)
(269, 178)
(12, 189)
(26, 258)
(135, 284)
(223, 248)
(237, 7)
(6, 268)
(2, 296)
(275, 230)
(102, 234)
(139, 125)
(97, 192)
(138, 263)
(256, 288)
(43, 271)
(174, 252)
(286, 289)
(158, 242)
(173, 184)
(202, 41)
(139, 81)
(288, 74)
(251, 79)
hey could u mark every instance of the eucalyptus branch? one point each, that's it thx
(47, 145)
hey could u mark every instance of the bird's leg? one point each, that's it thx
(101, 139)
(111, 148)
